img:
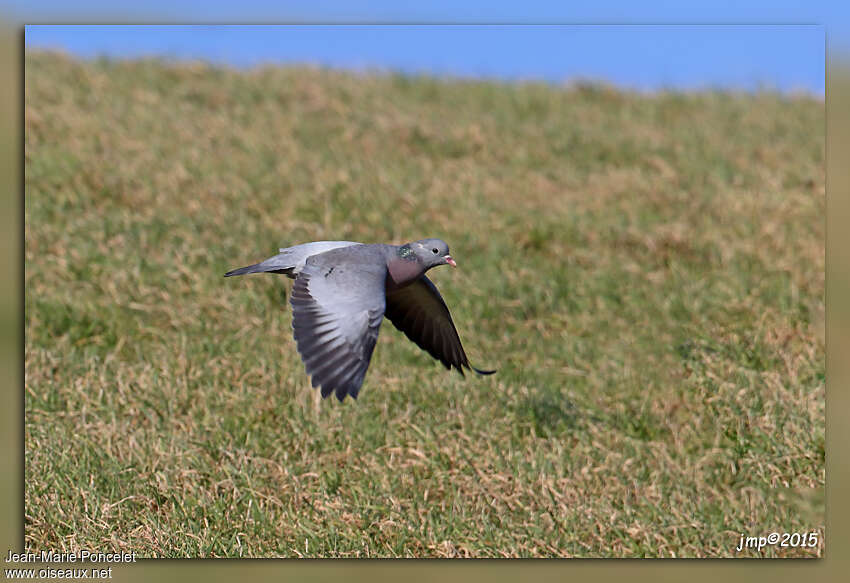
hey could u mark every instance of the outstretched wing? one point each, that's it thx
(338, 304)
(419, 311)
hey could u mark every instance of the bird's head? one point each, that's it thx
(432, 252)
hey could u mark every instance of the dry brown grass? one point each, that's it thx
(647, 273)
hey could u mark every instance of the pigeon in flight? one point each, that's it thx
(342, 292)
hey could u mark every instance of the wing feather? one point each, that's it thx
(337, 304)
(419, 311)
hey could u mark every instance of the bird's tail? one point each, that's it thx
(243, 270)
(271, 265)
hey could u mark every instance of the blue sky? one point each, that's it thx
(832, 12)
(787, 57)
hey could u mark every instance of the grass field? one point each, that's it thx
(645, 271)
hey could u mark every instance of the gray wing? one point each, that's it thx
(337, 305)
(419, 311)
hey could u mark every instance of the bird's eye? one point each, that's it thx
(435, 251)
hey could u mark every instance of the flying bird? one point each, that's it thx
(342, 292)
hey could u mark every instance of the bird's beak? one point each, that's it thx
(450, 261)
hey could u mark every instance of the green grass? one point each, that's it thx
(645, 271)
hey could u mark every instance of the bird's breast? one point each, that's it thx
(403, 272)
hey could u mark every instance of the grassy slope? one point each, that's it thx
(647, 273)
